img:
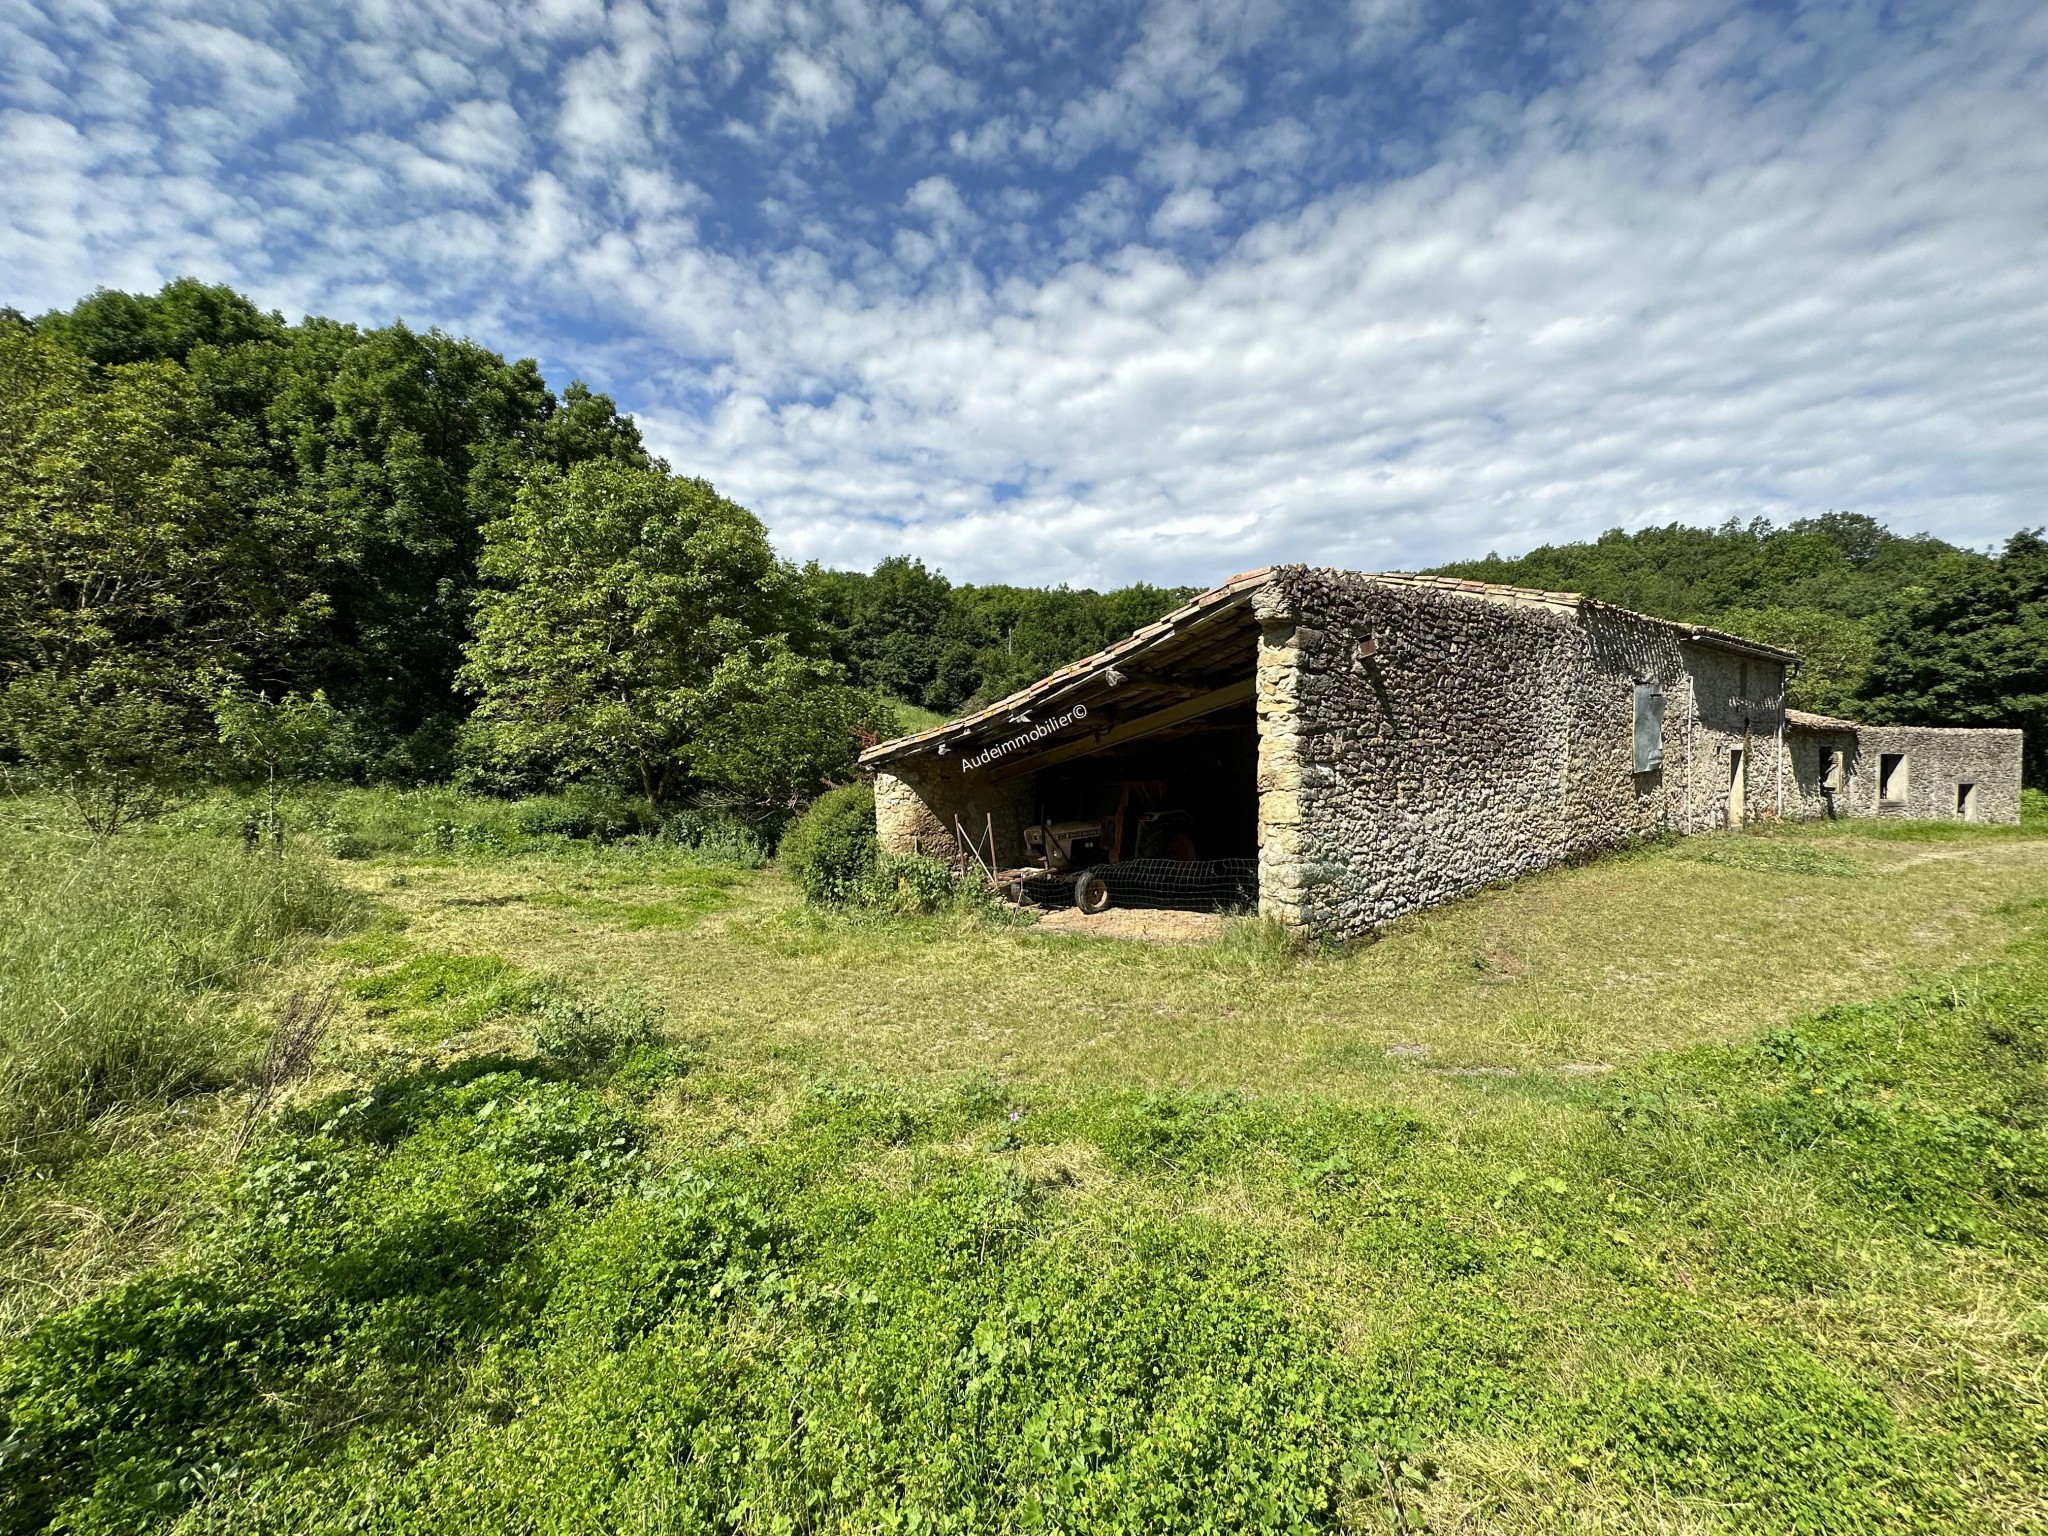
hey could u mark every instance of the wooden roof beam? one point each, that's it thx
(1133, 730)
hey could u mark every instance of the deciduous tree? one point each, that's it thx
(1970, 647)
(631, 620)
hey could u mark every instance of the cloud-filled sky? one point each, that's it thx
(1094, 292)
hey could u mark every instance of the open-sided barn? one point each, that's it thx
(1381, 742)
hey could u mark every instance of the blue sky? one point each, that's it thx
(1100, 292)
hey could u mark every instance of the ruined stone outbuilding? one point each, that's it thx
(1383, 742)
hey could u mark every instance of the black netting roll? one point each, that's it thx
(1205, 885)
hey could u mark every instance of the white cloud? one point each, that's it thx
(1383, 25)
(1106, 215)
(814, 92)
(938, 199)
(249, 84)
(1190, 208)
(921, 89)
(1725, 264)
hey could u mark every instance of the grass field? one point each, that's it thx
(1699, 1188)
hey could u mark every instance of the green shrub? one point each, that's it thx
(584, 814)
(585, 1032)
(831, 851)
(717, 836)
(362, 823)
(121, 742)
(119, 965)
(379, 820)
(833, 856)
(913, 885)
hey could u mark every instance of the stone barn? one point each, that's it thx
(1382, 742)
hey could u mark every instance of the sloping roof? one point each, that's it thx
(1188, 622)
(1701, 634)
(1806, 720)
(1198, 613)
(1532, 597)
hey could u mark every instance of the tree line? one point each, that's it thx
(913, 635)
(229, 543)
(1891, 629)
(233, 543)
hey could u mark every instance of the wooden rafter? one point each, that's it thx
(1137, 729)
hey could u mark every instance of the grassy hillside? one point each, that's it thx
(1696, 1189)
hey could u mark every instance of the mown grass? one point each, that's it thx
(772, 1220)
(1704, 939)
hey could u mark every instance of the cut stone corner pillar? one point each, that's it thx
(1277, 700)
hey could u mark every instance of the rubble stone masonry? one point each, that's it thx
(1418, 741)
(1927, 782)
(1420, 738)
(918, 799)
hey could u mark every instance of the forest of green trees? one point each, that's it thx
(232, 545)
(1910, 631)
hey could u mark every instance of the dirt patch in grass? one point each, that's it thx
(1154, 927)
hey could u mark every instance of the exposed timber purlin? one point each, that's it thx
(1134, 729)
(1189, 620)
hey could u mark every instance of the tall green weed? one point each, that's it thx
(379, 821)
(119, 968)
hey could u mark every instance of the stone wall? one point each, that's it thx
(1936, 761)
(1718, 681)
(1808, 752)
(1418, 743)
(917, 800)
(1418, 739)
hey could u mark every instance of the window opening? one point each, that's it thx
(1831, 771)
(1649, 727)
(1891, 777)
